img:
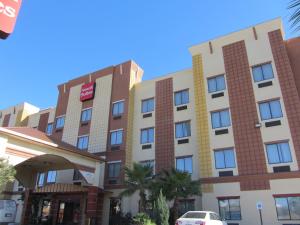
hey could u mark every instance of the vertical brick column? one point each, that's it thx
(164, 125)
(54, 209)
(248, 141)
(94, 205)
(288, 87)
(43, 122)
(26, 213)
(6, 120)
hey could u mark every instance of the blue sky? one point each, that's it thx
(56, 40)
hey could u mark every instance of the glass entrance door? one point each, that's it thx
(68, 213)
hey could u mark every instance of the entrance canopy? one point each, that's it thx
(32, 152)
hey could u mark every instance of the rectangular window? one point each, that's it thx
(224, 159)
(51, 176)
(186, 205)
(147, 105)
(183, 129)
(49, 128)
(86, 115)
(147, 135)
(279, 153)
(41, 179)
(60, 122)
(288, 208)
(230, 209)
(262, 72)
(182, 97)
(149, 163)
(270, 110)
(216, 84)
(118, 108)
(83, 142)
(114, 169)
(185, 164)
(220, 119)
(116, 137)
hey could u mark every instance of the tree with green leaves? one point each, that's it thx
(7, 173)
(138, 179)
(175, 185)
(161, 210)
(294, 6)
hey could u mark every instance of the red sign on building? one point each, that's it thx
(87, 91)
(9, 10)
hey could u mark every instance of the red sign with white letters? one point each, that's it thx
(9, 10)
(87, 91)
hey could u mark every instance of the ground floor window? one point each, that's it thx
(186, 205)
(288, 208)
(230, 208)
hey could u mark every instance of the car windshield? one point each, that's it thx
(194, 215)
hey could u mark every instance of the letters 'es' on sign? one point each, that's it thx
(87, 91)
(9, 10)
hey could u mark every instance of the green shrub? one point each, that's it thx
(161, 210)
(142, 219)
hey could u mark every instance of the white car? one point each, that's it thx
(200, 218)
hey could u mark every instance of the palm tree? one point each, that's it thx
(138, 179)
(175, 185)
(295, 17)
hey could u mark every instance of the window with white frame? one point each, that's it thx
(220, 119)
(185, 164)
(216, 84)
(279, 153)
(49, 128)
(270, 110)
(224, 158)
(83, 142)
(183, 129)
(86, 115)
(51, 176)
(116, 137)
(118, 108)
(148, 105)
(147, 135)
(60, 122)
(41, 179)
(149, 163)
(288, 207)
(230, 208)
(182, 97)
(262, 72)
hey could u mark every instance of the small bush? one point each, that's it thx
(142, 219)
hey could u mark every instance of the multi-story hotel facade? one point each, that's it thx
(232, 121)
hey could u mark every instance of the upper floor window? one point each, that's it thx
(114, 169)
(147, 135)
(183, 129)
(182, 97)
(230, 209)
(270, 110)
(60, 122)
(220, 119)
(279, 153)
(116, 137)
(86, 115)
(185, 164)
(262, 72)
(149, 163)
(216, 84)
(41, 179)
(49, 128)
(118, 108)
(224, 159)
(83, 142)
(288, 208)
(51, 176)
(147, 105)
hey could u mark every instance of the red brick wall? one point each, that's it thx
(6, 119)
(288, 87)
(43, 122)
(164, 125)
(248, 141)
(293, 51)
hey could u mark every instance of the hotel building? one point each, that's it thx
(232, 121)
